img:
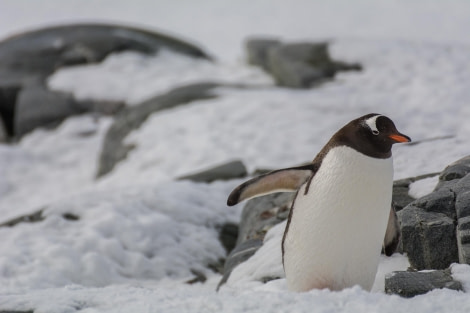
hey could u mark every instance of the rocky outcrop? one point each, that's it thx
(295, 65)
(114, 149)
(27, 59)
(410, 284)
(435, 227)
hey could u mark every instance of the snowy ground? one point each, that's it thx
(140, 233)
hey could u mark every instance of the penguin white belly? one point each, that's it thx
(336, 231)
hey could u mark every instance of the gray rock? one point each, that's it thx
(257, 51)
(428, 238)
(410, 284)
(230, 170)
(296, 65)
(463, 239)
(37, 106)
(401, 188)
(27, 59)
(262, 213)
(240, 254)
(114, 150)
(462, 204)
(439, 201)
(228, 235)
(45, 50)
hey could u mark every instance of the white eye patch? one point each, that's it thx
(372, 124)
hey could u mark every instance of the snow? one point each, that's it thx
(140, 232)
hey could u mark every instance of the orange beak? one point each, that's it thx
(400, 138)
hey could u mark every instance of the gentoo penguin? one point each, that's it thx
(338, 218)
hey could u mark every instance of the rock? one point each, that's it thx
(428, 238)
(240, 254)
(410, 284)
(28, 218)
(37, 106)
(257, 51)
(439, 201)
(401, 188)
(230, 170)
(463, 239)
(228, 236)
(296, 65)
(45, 50)
(27, 59)
(114, 150)
(435, 228)
(262, 213)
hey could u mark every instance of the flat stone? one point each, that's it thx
(410, 284)
(257, 50)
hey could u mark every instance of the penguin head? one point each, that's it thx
(372, 134)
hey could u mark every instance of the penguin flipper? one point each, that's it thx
(288, 179)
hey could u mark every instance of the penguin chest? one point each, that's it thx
(336, 228)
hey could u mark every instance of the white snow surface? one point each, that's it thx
(140, 233)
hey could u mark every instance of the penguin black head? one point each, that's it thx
(372, 134)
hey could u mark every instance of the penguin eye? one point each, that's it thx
(375, 132)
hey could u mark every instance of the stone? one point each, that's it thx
(262, 213)
(114, 150)
(401, 188)
(37, 106)
(257, 51)
(410, 284)
(302, 65)
(228, 235)
(439, 201)
(463, 239)
(230, 170)
(462, 204)
(295, 65)
(45, 50)
(27, 59)
(28, 218)
(428, 238)
(240, 254)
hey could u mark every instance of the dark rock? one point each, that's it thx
(463, 239)
(428, 238)
(29, 218)
(71, 217)
(401, 188)
(462, 204)
(27, 59)
(37, 106)
(228, 236)
(45, 50)
(230, 170)
(114, 150)
(240, 254)
(257, 51)
(456, 171)
(296, 65)
(410, 284)
(440, 201)
(8, 95)
(199, 277)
